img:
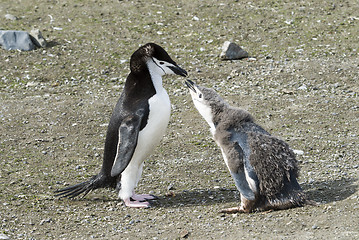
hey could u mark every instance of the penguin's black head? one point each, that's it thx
(155, 57)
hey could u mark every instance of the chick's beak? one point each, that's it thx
(190, 84)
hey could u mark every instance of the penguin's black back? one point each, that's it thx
(134, 99)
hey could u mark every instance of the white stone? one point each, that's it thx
(298, 152)
(303, 87)
(3, 236)
(38, 39)
(10, 17)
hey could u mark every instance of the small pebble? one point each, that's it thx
(315, 227)
(10, 17)
(47, 220)
(184, 234)
(170, 187)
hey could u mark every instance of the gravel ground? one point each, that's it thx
(300, 83)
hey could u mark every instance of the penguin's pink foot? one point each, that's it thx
(233, 210)
(130, 202)
(143, 197)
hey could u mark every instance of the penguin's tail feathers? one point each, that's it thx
(97, 181)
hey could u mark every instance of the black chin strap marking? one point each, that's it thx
(158, 65)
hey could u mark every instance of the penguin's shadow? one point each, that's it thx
(197, 197)
(327, 191)
(175, 199)
(324, 191)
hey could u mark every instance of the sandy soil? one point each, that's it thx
(301, 84)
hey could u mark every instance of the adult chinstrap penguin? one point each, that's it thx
(137, 125)
(263, 167)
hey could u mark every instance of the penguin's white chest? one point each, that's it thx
(158, 118)
(148, 138)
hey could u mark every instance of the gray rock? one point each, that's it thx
(38, 39)
(10, 17)
(231, 51)
(12, 40)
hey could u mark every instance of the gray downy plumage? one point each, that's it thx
(263, 167)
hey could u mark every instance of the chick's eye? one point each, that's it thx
(200, 95)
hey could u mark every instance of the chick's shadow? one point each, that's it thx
(330, 190)
(197, 197)
(319, 191)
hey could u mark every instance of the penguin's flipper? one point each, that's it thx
(235, 148)
(245, 178)
(127, 141)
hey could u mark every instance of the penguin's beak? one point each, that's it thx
(179, 71)
(190, 84)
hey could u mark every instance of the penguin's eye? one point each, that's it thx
(200, 95)
(162, 63)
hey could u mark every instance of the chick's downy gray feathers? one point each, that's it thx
(262, 165)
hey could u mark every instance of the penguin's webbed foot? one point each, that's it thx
(130, 202)
(233, 210)
(143, 197)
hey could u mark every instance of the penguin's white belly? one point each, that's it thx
(159, 116)
(148, 138)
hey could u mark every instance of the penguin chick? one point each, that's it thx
(263, 167)
(137, 125)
